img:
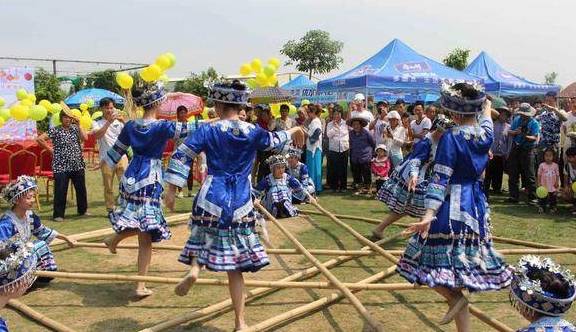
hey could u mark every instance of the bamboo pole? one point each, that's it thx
(346, 291)
(498, 239)
(252, 294)
(38, 317)
(496, 324)
(315, 305)
(99, 233)
(224, 282)
(475, 311)
(331, 252)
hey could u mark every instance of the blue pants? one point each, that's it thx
(314, 163)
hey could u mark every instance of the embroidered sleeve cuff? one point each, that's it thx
(433, 204)
(442, 169)
(174, 179)
(278, 140)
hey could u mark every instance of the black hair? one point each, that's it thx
(551, 150)
(571, 151)
(419, 103)
(466, 90)
(337, 108)
(139, 91)
(181, 108)
(62, 114)
(105, 102)
(284, 107)
(404, 115)
(381, 103)
(551, 282)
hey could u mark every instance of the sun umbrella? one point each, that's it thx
(271, 95)
(95, 94)
(193, 103)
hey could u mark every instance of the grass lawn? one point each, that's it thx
(108, 306)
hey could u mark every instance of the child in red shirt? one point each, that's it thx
(380, 166)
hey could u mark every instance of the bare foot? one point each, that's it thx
(142, 293)
(186, 283)
(241, 327)
(109, 242)
(455, 308)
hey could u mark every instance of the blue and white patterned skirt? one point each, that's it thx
(394, 193)
(45, 259)
(234, 248)
(141, 210)
(453, 256)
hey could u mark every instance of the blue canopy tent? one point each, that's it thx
(501, 82)
(95, 94)
(303, 88)
(396, 69)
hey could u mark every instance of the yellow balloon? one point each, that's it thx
(2, 102)
(146, 75)
(2, 122)
(251, 83)
(574, 187)
(256, 65)
(275, 62)
(19, 112)
(172, 58)
(124, 80)
(541, 192)
(272, 80)
(55, 119)
(21, 94)
(38, 112)
(5, 113)
(245, 69)
(46, 104)
(86, 122)
(83, 107)
(261, 80)
(269, 70)
(32, 98)
(26, 102)
(293, 110)
(275, 107)
(90, 103)
(56, 108)
(163, 62)
(155, 71)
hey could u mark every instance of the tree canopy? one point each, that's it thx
(314, 53)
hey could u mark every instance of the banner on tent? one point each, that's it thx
(14, 78)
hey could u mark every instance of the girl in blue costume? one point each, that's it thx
(223, 220)
(139, 211)
(299, 170)
(278, 188)
(17, 265)
(543, 291)
(22, 221)
(404, 191)
(453, 249)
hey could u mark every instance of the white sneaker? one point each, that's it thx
(58, 219)
(180, 195)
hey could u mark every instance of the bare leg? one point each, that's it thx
(189, 279)
(391, 218)
(112, 241)
(236, 287)
(458, 303)
(144, 257)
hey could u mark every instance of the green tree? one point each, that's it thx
(47, 86)
(195, 84)
(550, 78)
(457, 59)
(105, 79)
(315, 53)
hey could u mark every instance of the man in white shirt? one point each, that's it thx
(338, 146)
(359, 110)
(421, 124)
(106, 131)
(380, 123)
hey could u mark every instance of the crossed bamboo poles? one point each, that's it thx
(265, 287)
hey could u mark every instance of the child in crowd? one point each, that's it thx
(21, 221)
(548, 177)
(278, 189)
(570, 177)
(299, 170)
(380, 166)
(542, 292)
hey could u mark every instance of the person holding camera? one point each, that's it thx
(525, 131)
(380, 123)
(106, 131)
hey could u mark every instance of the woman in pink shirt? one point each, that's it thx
(548, 177)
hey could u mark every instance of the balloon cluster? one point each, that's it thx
(265, 74)
(151, 73)
(275, 109)
(26, 108)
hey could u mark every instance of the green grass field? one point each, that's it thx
(108, 306)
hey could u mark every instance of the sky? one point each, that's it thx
(529, 38)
